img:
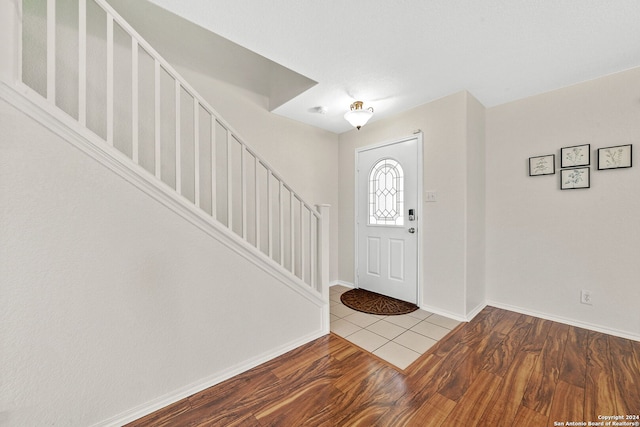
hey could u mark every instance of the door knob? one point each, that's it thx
(412, 230)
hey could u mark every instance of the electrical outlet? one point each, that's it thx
(585, 297)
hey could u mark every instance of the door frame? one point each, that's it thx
(419, 137)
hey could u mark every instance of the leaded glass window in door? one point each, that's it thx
(386, 198)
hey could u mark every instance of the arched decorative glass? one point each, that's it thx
(386, 193)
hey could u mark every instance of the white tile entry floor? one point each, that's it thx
(399, 340)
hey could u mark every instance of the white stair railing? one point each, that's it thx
(86, 60)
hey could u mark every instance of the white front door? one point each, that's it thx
(386, 216)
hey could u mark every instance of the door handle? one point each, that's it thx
(412, 230)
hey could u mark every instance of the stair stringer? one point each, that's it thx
(36, 107)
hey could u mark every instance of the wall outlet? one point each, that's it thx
(585, 297)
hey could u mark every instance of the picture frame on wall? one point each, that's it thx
(542, 165)
(616, 157)
(577, 155)
(575, 178)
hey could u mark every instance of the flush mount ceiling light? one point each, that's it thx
(357, 116)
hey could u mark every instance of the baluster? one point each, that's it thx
(257, 196)
(214, 204)
(196, 149)
(292, 229)
(51, 51)
(82, 62)
(269, 214)
(134, 100)
(178, 141)
(158, 141)
(229, 182)
(110, 77)
(312, 253)
(281, 220)
(243, 186)
(301, 241)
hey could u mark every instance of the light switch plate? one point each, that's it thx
(431, 196)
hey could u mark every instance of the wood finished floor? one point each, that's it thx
(501, 369)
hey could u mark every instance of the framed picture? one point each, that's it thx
(542, 165)
(573, 179)
(614, 157)
(578, 155)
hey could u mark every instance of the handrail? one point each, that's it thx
(296, 227)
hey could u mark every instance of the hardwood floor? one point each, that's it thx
(501, 369)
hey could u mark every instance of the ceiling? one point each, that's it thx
(395, 55)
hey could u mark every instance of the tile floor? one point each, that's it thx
(399, 340)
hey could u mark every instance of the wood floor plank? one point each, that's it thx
(539, 393)
(470, 367)
(474, 401)
(636, 351)
(373, 397)
(625, 374)
(361, 365)
(506, 351)
(537, 335)
(599, 385)
(165, 416)
(502, 368)
(478, 330)
(245, 420)
(505, 403)
(300, 405)
(417, 391)
(529, 418)
(233, 390)
(568, 404)
(433, 412)
(574, 363)
(507, 322)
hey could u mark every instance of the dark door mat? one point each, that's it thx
(373, 303)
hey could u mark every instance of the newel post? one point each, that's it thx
(10, 40)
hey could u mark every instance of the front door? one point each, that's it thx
(386, 219)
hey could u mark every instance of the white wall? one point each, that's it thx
(544, 245)
(108, 300)
(475, 207)
(446, 146)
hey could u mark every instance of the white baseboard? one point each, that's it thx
(473, 313)
(341, 283)
(177, 395)
(564, 320)
(445, 313)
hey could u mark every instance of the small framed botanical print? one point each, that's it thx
(578, 155)
(542, 165)
(614, 157)
(573, 179)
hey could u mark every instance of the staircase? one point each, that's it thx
(84, 72)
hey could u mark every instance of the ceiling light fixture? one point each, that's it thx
(357, 116)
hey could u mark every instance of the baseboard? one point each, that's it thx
(175, 396)
(564, 320)
(473, 313)
(445, 313)
(341, 283)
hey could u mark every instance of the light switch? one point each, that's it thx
(431, 196)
